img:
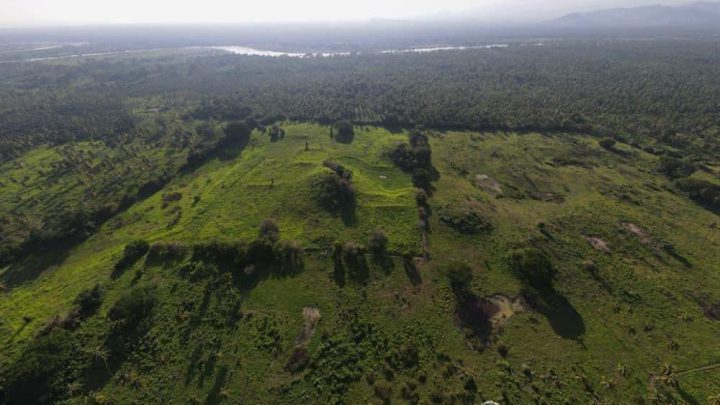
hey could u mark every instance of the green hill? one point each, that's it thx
(211, 310)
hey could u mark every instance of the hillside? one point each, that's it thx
(695, 15)
(236, 229)
(390, 326)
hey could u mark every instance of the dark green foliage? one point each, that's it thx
(353, 255)
(88, 301)
(702, 192)
(460, 275)
(260, 251)
(344, 131)
(290, 256)
(339, 169)
(415, 158)
(333, 192)
(237, 133)
(270, 230)
(403, 156)
(378, 242)
(133, 307)
(132, 253)
(166, 251)
(383, 390)
(37, 377)
(406, 356)
(298, 360)
(607, 143)
(675, 168)
(219, 252)
(466, 221)
(533, 267)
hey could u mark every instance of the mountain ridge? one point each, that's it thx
(700, 14)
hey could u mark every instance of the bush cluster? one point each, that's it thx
(533, 266)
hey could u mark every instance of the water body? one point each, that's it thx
(243, 50)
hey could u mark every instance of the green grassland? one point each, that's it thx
(615, 325)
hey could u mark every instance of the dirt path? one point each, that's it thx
(698, 369)
(312, 317)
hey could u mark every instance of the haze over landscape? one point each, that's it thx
(372, 202)
(18, 13)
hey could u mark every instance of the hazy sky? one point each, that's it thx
(51, 12)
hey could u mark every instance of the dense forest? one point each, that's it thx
(635, 90)
(535, 223)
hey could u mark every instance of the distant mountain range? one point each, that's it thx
(695, 15)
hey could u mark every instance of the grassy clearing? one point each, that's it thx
(637, 309)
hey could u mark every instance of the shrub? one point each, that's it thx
(417, 139)
(333, 192)
(237, 132)
(133, 306)
(290, 255)
(460, 276)
(132, 253)
(532, 266)
(88, 301)
(270, 230)
(466, 222)
(702, 192)
(378, 242)
(345, 132)
(403, 157)
(166, 251)
(421, 197)
(383, 390)
(216, 251)
(36, 377)
(607, 143)
(339, 169)
(260, 251)
(354, 256)
(298, 360)
(675, 168)
(421, 178)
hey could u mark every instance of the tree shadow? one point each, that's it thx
(339, 274)
(358, 269)
(472, 313)
(412, 271)
(122, 266)
(215, 395)
(348, 214)
(670, 250)
(31, 267)
(384, 262)
(562, 316)
(193, 363)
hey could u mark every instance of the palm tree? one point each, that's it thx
(100, 352)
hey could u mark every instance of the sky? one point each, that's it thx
(15, 13)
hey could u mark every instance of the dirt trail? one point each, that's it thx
(312, 317)
(698, 369)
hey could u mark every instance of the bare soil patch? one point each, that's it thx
(598, 243)
(487, 183)
(312, 317)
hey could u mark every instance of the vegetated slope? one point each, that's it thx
(628, 305)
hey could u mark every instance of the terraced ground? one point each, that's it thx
(626, 316)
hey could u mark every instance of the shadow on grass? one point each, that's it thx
(383, 261)
(562, 316)
(31, 267)
(472, 313)
(215, 394)
(412, 271)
